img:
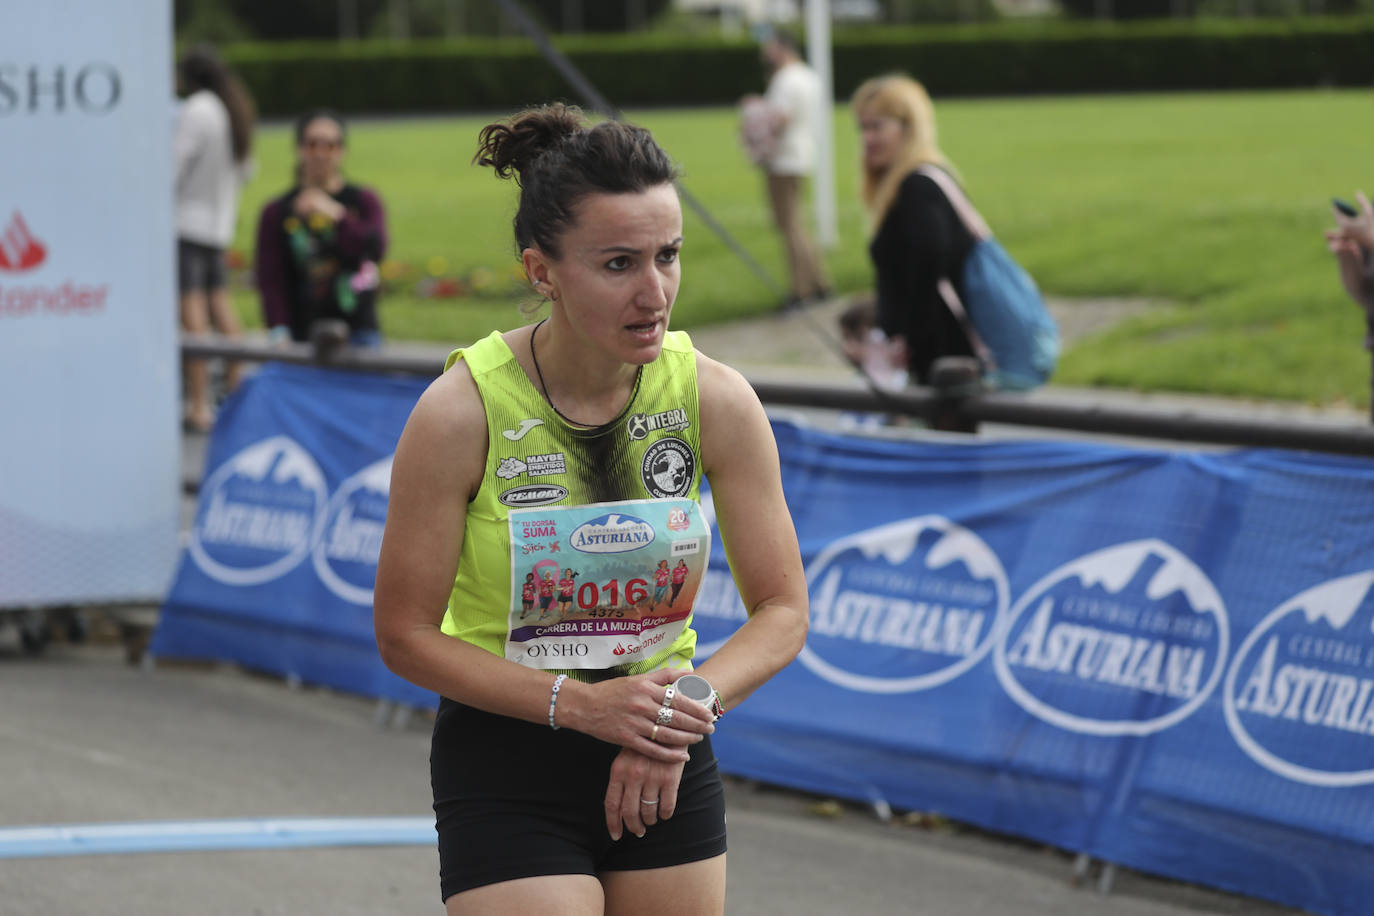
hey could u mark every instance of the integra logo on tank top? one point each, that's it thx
(639, 425)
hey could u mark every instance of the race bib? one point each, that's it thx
(603, 585)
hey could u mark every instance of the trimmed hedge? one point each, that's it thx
(635, 70)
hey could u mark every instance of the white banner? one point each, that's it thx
(89, 444)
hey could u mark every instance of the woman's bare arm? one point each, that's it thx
(740, 459)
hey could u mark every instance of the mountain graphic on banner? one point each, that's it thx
(1337, 602)
(1143, 568)
(281, 458)
(19, 250)
(947, 545)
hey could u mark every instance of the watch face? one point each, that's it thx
(695, 687)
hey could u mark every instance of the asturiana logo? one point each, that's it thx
(1088, 640)
(902, 607)
(613, 533)
(345, 555)
(259, 512)
(1299, 697)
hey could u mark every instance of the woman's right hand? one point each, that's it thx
(625, 711)
(313, 201)
(1359, 227)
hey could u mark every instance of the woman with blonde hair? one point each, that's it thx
(917, 239)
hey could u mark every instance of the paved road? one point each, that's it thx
(85, 737)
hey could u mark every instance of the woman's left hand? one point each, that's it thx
(641, 792)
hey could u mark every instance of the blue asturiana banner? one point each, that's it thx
(1163, 659)
(279, 564)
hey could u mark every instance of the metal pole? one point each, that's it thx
(400, 20)
(348, 20)
(572, 16)
(818, 50)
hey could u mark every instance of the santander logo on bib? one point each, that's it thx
(19, 250)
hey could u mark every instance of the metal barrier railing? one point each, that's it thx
(1044, 410)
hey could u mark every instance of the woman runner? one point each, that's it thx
(634, 820)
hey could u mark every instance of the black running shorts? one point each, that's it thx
(515, 800)
(200, 268)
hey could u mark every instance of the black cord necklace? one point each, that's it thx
(545, 388)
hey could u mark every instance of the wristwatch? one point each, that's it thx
(696, 687)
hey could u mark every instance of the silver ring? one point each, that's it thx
(665, 716)
(646, 802)
(668, 695)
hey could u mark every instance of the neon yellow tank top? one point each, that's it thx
(567, 537)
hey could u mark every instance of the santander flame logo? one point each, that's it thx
(19, 250)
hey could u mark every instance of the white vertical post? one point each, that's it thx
(348, 20)
(818, 54)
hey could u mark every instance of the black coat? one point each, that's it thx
(921, 240)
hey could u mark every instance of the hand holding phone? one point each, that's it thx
(1343, 207)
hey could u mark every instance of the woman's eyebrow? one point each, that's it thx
(629, 249)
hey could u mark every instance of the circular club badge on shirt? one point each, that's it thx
(668, 468)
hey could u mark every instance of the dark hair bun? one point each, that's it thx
(510, 147)
(557, 160)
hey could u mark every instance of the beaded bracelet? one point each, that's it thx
(553, 699)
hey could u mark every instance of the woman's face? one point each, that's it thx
(619, 273)
(320, 151)
(883, 137)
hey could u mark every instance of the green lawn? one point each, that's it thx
(1214, 202)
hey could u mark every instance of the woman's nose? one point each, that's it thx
(652, 291)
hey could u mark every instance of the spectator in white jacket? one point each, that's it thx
(213, 145)
(780, 132)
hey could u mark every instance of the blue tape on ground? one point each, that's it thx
(188, 836)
